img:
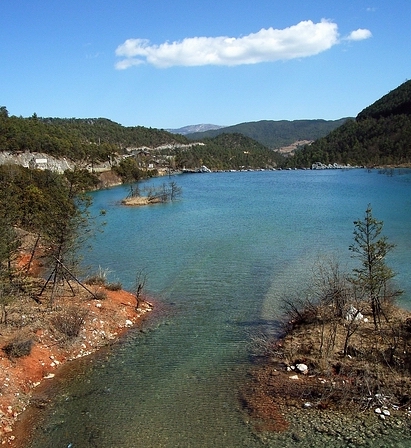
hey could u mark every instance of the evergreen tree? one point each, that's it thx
(373, 275)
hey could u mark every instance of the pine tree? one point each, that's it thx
(373, 275)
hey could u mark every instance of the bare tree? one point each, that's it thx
(67, 229)
(141, 279)
(175, 191)
(330, 286)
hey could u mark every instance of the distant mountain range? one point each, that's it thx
(194, 128)
(272, 134)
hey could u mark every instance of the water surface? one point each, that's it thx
(220, 259)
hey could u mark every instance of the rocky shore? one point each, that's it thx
(281, 411)
(303, 391)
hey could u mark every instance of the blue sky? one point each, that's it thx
(167, 64)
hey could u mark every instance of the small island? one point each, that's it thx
(160, 195)
(140, 200)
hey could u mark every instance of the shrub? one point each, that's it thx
(99, 295)
(99, 278)
(117, 286)
(95, 280)
(69, 322)
(18, 347)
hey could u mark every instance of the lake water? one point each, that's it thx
(219, 261)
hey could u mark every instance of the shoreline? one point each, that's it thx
(106, 322)
(298, 392)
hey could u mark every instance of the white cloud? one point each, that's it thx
(298, 41)
(359, 34)
(267, 45)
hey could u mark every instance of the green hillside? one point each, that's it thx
(76, 139)
(396, 102)
(380, 135)
(276, 134)
(96, 139)
(98, 130)
(228, 151)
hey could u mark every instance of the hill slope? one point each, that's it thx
(228, 151)
(76, 139)
(396, 102)
(380, 135)
(97, 139)
(276, 134)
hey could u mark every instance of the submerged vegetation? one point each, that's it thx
(162, 194)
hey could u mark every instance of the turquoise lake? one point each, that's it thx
(218, 261)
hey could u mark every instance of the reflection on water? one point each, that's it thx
(220, 259)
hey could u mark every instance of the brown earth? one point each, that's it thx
(290, 149)
(103, 321)
(109, 179)
(364, 380)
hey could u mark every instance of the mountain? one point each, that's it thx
(276, 134)
(94, 140)
(77, 138)
(396, 102)
(228, 151)
(194, 128)
(379, 135)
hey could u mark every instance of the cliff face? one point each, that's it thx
(36, 160)
(109, 179)
(44, 161)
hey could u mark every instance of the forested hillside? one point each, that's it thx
(98, 130)
(396, 102)
(78, 139)
(380, 135)
(276, 134)
(228, 151)
(97, 139)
